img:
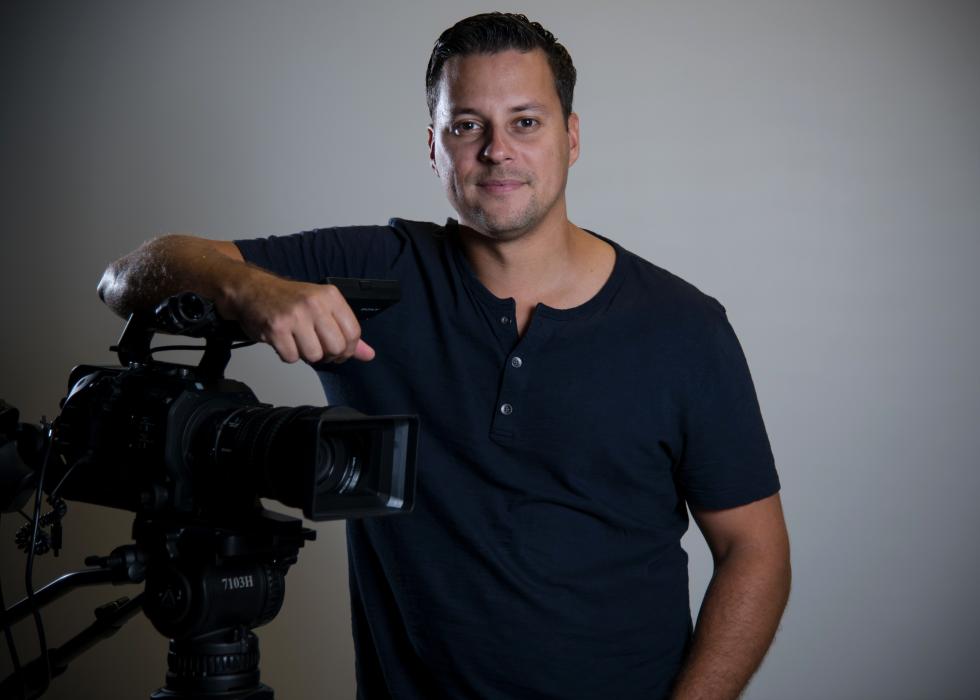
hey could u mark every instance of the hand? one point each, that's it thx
(301, 321)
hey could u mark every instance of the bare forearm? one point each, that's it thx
(165, 266)
(304, 321)
(736, 625)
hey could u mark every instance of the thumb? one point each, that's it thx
(363, 352)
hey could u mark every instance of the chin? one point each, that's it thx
(503, 226)
(498, 229)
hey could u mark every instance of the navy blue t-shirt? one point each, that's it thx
(543, 557)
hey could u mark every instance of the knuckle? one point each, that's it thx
(277, 326)
(308, 303)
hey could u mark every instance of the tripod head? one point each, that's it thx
(207, 587)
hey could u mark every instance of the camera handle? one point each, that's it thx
(184, 314)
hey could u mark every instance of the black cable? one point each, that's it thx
(168, 348)
(54, 492)
(14, 656)
(29, 572)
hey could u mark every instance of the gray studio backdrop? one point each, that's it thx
(814, 165)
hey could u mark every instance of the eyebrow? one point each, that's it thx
(526, 107)
(529, 107)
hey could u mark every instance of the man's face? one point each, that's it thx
(499, 142)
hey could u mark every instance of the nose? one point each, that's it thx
(497, 148)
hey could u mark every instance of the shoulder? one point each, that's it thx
(661, 294)
(352, 235)
(420, 233)
(417, 228)
(351, 251)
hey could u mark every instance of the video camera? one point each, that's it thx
(191, 452)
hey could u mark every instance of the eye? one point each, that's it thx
(467, 126)
(527, 123)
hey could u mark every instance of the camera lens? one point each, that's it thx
(338, 466)
(331, 462)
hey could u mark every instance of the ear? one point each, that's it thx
(573, 143)
(432, 148)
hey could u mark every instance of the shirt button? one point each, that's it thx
(506, 409)
(516, 362)
(505, 320)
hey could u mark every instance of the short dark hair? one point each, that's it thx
(493, 32)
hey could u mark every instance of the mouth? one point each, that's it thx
(499, 186)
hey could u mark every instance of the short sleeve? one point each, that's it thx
(310, 256)
(727, 460)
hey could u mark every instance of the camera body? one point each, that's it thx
(131, 436)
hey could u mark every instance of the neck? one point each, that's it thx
(561, 266)
(527, 264)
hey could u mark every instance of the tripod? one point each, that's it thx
(206, 587)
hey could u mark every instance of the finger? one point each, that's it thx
(348, 325)
(285, 347)
(336, 347)
(276, 331)
(308, 343)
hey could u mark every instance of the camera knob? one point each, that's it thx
(154, 498)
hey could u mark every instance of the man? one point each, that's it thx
(575, 399)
